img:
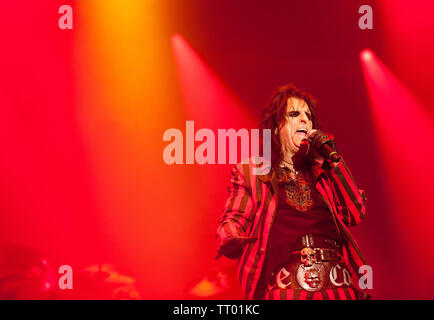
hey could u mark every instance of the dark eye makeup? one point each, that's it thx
(294, 114)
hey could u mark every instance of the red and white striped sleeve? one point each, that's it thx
(351, 204)
(237, 214)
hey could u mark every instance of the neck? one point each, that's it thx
(286, 163)
(287, 158)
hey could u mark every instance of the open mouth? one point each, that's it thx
(302, 133)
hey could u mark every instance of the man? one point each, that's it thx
(288, 229)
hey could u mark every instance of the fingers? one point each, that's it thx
(316, 134)
(247, 240)
(231, 245)
(219, 253)
(320, 138)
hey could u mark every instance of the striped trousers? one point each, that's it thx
(300, 294)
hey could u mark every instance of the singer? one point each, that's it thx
(289, 229)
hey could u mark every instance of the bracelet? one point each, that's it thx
(333, 153)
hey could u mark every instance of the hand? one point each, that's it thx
(233, 247)
(316, 142)
(319, 138)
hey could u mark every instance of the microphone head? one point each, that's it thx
(310, 134)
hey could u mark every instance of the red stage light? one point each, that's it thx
(405, 140)
(366, 54)
(207, 99)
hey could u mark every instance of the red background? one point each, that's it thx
(83, 113)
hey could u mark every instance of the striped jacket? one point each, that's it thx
(252, 204)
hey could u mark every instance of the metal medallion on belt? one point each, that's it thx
(310, 275)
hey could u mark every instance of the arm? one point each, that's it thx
(236, 216)
(351, 201)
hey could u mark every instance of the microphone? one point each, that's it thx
(325, 150)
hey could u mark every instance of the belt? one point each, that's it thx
(312, 268)
(318, 241)
(315, 254)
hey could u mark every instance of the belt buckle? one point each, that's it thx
(311, 274)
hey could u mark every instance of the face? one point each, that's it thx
(298, 122)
